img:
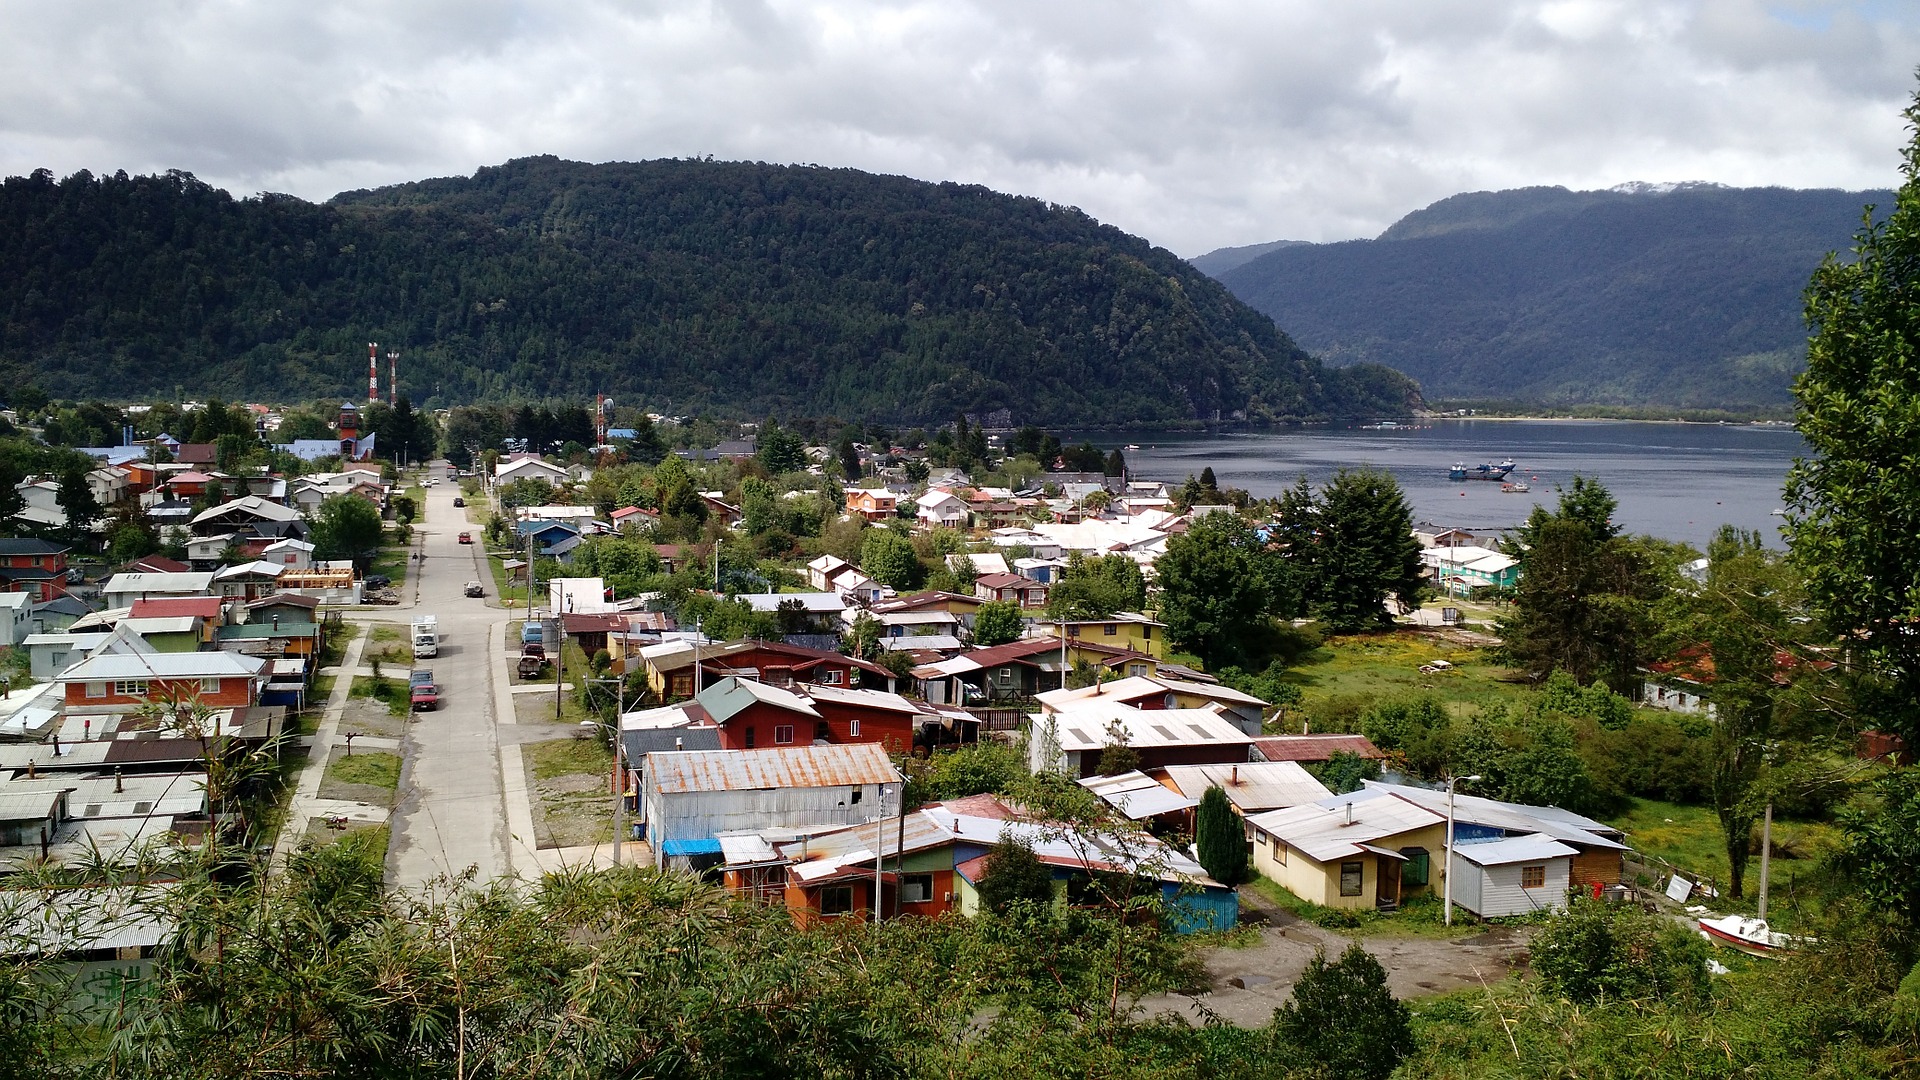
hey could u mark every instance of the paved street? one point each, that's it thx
(451, 813)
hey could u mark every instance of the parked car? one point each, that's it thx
(466, 538)
(426, 697)
(474, 589)
(530, 664)
(458, 501)
(419, 676)
(378, 581)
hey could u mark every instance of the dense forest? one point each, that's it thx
(691, 286)
(1683, 297)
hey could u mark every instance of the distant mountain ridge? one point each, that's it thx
(738, 288)
(1648, 294)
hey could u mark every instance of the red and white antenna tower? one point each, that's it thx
(373, 372)
(393, 377)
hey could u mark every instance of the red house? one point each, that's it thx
(121, 681)
(35, 566)
(756, 716)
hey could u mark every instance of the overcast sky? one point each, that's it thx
(1195, 123)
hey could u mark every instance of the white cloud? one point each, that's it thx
(1194, 123)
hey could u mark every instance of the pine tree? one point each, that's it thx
(1220, 838)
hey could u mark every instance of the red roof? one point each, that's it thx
(159, 564)
(1013, 650)
(1004, 581)
(205, 607)
(986, 806)
(593, 624)
(1314, 747)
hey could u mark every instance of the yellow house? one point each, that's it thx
(1122, 630)
(1360, 850)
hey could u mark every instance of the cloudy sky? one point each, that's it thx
(1195, 123)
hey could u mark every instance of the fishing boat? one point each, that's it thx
(1484, 471)
(1133, 446)
(1517, 487)
(1748, 935)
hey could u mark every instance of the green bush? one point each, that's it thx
(1597, 951)
(1344, 1020)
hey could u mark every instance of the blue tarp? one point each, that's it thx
(690, 847)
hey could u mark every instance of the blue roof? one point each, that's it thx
(690, 847)
(621, 433)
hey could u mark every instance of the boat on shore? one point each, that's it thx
(1748, 935)
(1484, 471)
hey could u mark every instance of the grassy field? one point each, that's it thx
(566, 757)
(1419, 916)
(393, 562)
(568, 781)
(364, 839)
(1689, 837)
(334, 641)
(419, 496)
(376, 768)
(509, 595)
(1379, 666)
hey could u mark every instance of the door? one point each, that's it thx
(1387, 894)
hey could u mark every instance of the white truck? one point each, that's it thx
(426, 637)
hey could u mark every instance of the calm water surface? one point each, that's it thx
(1678, 481)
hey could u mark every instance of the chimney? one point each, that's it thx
(1349, 813)
(1236, 775)
(118, 787)
(56, 744)
(678, 742)
(31, 773)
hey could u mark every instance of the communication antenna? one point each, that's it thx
(373, 372)
(393, 377)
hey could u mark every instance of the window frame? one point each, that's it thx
(1357, 869)
(131, 687)
(782, 734)
(922, 882)
(836, 909)
(853, 728)
(1533, 877)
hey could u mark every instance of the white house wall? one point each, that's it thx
(699, 815)
(1495, 890)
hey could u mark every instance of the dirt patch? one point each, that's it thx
(537, 708)
(570, 808)
(369, 717)
(1250, 982)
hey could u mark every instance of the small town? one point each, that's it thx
(886, 540)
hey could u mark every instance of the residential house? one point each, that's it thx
(753, 715)
(690, 797)
(938, 509)
(57, 614)
(581, 518)
(1024, 669)
(556, 539)
(1122, 630)
(252, 515)
(670, 666)
(1159, 692)
(1045, 571)
(1350, 851)
(634, 516)
(123, 589)
(16, 617)
(962, 608)
(109, 486)
(119, 682)
(33, 566)
(578, 595)
(248, 581)
(1252, 787)
(1522, 875)
(873, 504)
(290, 553)
(720, 510)
(1140, 797)
(1073, 740)
(821, 571)
(1460, 568)
(814, 614)
(529, 467)
(1599, 849)
(50, 653)
(1031, 595)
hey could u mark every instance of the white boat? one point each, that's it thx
(1133, 446)
(1748, 935)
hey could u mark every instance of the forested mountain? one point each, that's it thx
(1220, 260)
(686, 285)
(1683, 296)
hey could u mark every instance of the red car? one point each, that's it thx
(426, 697)
(466, 538)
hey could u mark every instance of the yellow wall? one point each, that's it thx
(1319, 882)
(1127, 635)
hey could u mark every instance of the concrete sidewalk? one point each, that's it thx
(306, 802)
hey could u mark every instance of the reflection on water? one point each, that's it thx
(1678, 481)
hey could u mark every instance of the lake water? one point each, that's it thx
(1678, 481)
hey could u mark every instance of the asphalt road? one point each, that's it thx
(451, 815)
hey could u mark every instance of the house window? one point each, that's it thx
(750, 738)
(1259, 838)
(1533, 877)
(853, 729)
(1146, 633)
(916, 888)
(96, 689)
(1419, 865)
(1279, 851)
(130, 688)
(836, 900)
(783, 734)
(210, 686)
(855, 797)
(1110, 629)
(1073, 631)
(1351, 875)
(1137, 670)
(682, 685)
(833, 677)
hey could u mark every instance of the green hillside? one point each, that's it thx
(1688, 297)
(735, 288)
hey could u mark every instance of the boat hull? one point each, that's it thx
(1747, 939)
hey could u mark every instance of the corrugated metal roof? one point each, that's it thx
(1533, 847)
(1253, 787)
(1508, 817)
(678, 772)
(1138, 795)
(28, 805)
(1321, 829)
(1085, 727)
(728, 697)
(870, 699)
(191, 665)
(1314, 747)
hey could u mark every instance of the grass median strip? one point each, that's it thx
(375, 768)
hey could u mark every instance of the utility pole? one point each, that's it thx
(1766, 851)
(1447, 892)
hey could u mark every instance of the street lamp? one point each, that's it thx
(1446, 906)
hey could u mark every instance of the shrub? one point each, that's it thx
(1597, 950)
(1343, 1018)
(1220, 838)
(1014, 874)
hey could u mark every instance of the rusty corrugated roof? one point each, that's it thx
(756, 770)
